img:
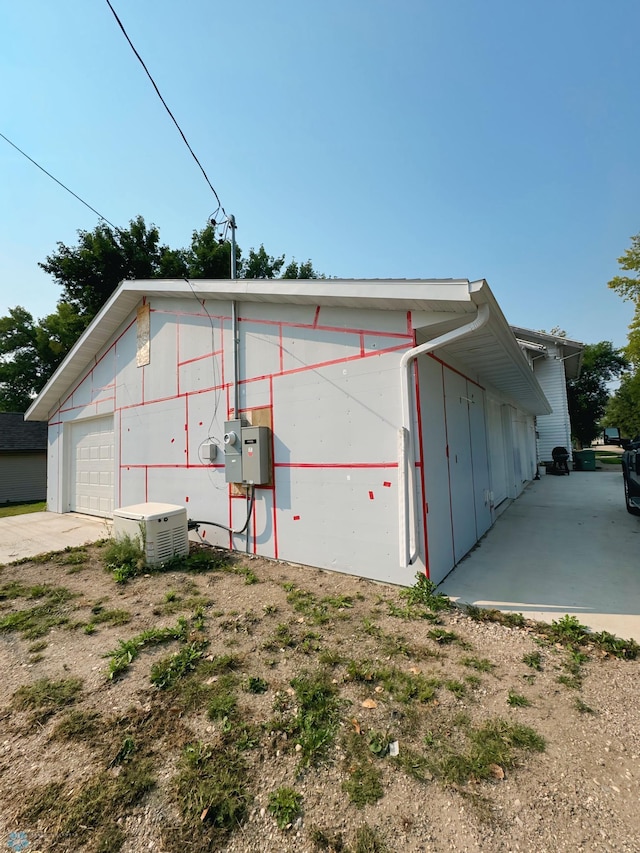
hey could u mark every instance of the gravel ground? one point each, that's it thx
(581, 793)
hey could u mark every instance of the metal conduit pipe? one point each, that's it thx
(408, 517)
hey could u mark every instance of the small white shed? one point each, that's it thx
(400, 415)
(553, 359)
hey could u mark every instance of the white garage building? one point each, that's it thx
(399, 416)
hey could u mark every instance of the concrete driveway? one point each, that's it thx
(567, 545)
(39, 532)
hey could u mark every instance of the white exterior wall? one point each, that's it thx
(328, 381)
(478, 450)
(554, 430)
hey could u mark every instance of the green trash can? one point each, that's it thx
(584, 460)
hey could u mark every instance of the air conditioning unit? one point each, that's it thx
(161, 529)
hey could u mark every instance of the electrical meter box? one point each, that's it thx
(161, 529)
(247, 453)
(233, 451)
(255, 455)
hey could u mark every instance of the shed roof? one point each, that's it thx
(492, 351)
(18, 436)
(571, 350)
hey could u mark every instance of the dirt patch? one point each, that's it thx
(237, 704)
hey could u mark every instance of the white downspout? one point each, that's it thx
(408, 518)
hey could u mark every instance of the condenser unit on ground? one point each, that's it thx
(160, 528)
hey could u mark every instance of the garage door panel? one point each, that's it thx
(91, 482)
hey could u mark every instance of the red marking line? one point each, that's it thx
(296, 518)
(370, 496)
(347, 465)
(342, 329)
(387, 484)
(453, 370)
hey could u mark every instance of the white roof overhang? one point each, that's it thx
(436, 306)
(570, 351)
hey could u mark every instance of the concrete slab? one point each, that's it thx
(567, 545)
(39, 532)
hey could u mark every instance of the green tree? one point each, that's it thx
(623, 409)
(588, 394)
(30, 351)
(88, 274)
(628, 286)
(261, 265)
(90, 271)
(305, 270)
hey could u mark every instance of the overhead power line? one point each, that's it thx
(64, 186)
(164, 103)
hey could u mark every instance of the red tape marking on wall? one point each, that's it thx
(387, 484)
(296, 518)
(370, 496)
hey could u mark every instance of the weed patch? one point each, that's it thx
(45, 697)
(34, 622)
(212, 793)
(285, 805)
(167, 671)
(128, 650)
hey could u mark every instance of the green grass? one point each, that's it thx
(496, 744)
(128, 650)
(166, 672)
(517, 700)
(285, 805)
(534, 660)
(363, 784)
(35, 622)
(11, 509)
(212, 792)
(124, 558)
(91, 812)
(479, 664)
(423, 593)
(45, 696)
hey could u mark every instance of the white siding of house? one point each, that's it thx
(23, 477)
(553, 430)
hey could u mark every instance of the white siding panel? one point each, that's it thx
(480, 459)
(333, 522)
(554, 429)
(23, 477)
(460, 464)
(342, 414)
(497, 451)
(155, 434)
(436, 471)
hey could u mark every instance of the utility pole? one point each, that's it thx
(232, 223)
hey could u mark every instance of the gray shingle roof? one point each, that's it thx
(16, 434)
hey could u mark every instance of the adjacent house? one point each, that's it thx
(554, 359)
(391, 419)
(23, 459)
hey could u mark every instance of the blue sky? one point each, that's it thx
(491, 139)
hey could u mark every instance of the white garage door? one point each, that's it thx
(92, 467)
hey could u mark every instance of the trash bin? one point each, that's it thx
(584, 460)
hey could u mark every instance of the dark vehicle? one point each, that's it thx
(631, 476)
(611, 435)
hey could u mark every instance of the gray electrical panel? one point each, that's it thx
(233, 451)
(255, 455)
(247, 453)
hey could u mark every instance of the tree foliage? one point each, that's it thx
(90, 271)
(623, 410)
(588, 395)
(628, 286)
